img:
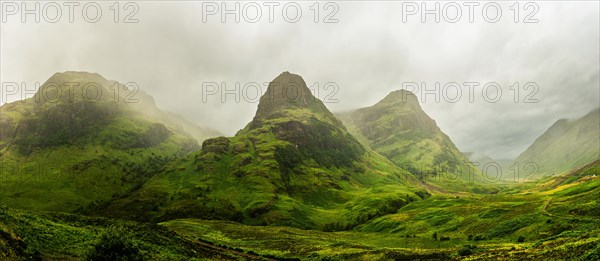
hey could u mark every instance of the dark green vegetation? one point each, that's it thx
(293, 184)
(59, 236)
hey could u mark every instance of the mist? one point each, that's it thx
(365, 52)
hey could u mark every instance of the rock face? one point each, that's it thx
(293, 164)
(566, 145)
(399, 129)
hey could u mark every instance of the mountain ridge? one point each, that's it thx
(399, 129)
(65, 149)
(294, 164)
(565, 145)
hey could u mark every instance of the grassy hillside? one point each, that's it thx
(515, 224)
(397, 128)
(565, 207)
(31, 235)
(553, 219)
(49, 235)
(68, 150)
(559, 222)
(566, 145)
(294, 164)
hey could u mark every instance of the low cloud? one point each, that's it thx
(369, 52)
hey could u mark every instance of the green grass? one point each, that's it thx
(285, 242)
(549, 225)
(52, 235)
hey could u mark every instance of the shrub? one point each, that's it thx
(115, 244)
(510, 226)
(593, 254)
(466, 250)
(423, 194)
(521, 239)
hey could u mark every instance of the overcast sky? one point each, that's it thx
(170, 52)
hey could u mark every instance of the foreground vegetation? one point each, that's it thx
(560, 222)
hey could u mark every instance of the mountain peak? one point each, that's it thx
(402, 94)
(76, 76)
(288, 91)
(398, 97)
(399, 129)
(71, 86)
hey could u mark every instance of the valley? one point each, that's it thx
(104, 180)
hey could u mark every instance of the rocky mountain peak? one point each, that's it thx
(288, 91)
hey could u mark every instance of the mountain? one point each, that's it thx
(566, 145)
(479, 158)
(487, 164)
(199, 133)
(75, 144)
(294, 164)
(397, 128)
(146, 105)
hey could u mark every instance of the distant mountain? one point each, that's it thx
(566, 145)
(74, 144)
(399, 129)
(145, 105)
(294, 164)
(491, 166)
(199, 133)
(479, 158)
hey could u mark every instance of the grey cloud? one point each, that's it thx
(369, 53)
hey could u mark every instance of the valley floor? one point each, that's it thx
(536, 232)
(552, 219)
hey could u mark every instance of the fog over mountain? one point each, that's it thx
(369, 52)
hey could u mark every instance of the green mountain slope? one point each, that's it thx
(199, 133)
(145, 105)
(564, 146)
(294, 164)
(399, 129)
(74, 145)
(556, 218)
